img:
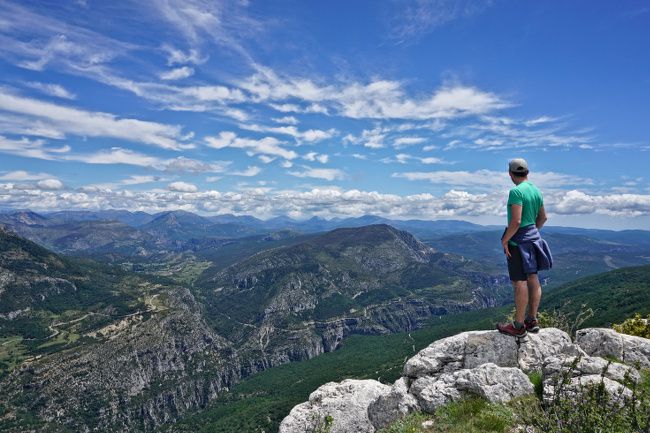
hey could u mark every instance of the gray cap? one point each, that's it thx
(518, 165)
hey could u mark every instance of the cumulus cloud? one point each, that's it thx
(182, 187)
(322, 201)
(177, 73)
(49, 184)
(266, 146)
(93, 124)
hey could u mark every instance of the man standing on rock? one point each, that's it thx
(526, 252)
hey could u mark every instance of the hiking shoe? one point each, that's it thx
(532, 325)
(510, 329)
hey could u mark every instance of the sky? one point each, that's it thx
(404, 109)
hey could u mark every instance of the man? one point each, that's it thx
(525, 250)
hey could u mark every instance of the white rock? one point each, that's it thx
(346, 402)
(392, 406)
(535, 349)
(494, 383)
(590, 365)
(607, 342)
(465, 350)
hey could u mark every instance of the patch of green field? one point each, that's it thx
(12, 353)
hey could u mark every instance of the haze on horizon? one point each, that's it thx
(397, 109)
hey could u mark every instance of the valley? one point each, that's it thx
(141, 320)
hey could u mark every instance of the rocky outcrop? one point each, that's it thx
(344, 405)
(484, 363)
(609, 343)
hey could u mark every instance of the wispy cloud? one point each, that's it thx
(266, 146)
(308, 136)
(320, 173)
(379, 99)
(415, 19)
(250, 171)
(22, 175)
(177, 73)
(67, 120)
(489, 179)
(52, 89)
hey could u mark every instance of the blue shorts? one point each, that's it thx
(516, 265)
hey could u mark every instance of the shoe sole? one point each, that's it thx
(534, 331)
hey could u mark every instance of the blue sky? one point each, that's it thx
(406, 109)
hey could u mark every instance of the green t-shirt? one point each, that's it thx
(529, 197)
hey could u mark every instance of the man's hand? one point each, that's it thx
(506, 250)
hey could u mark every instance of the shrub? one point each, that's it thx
(636, 325)
(590, 408)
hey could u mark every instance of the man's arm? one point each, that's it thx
(515, 222)
(541, 218)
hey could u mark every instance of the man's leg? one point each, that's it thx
(521, 300)
(534, 294)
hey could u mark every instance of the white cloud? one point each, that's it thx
(177, 73)
(252, 170)
(289, 120)
(309, 136)
(403, 158)
(266, 146)
(178, 57)
(286, 164)
(116, 155)
(138, 179)
(187, 165)
(379, 99)
(407, 141)
(21, 175)
(313, 156)
(266, 159)
(411, 21)
(31, 148)
(93, 124)
(52, 90)
(182, 187)
(50, 184)
(429, 148)
(320, 173)
(323, 201)
(489, 179)
(370, 138)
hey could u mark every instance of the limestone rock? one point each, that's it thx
(346, 403)
(394, 405)
(494, 383)
(607, 342)
(465, 350)
(535, 349)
